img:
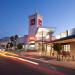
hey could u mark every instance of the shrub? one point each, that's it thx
(19, 46)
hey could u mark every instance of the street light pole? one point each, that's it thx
(42, 42)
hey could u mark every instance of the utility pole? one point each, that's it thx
(42, 41)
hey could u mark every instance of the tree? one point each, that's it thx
(16, 37)
(58, 48)
(7, 46)
(19, 46)
(14, 40)
(11, 44)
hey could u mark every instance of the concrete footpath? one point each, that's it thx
(50, 59)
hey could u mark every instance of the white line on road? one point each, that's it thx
(37, 59)
(25, 60)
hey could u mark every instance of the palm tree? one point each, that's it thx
(16, 37)
(58, 48)
(14, 40)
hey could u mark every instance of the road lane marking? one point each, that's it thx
(20, 59)
(28, 61)
(25, 60)
(37, 59)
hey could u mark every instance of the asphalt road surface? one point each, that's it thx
(15, 67)
(10, 65)
(66, 71)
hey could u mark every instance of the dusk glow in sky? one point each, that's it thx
(56, 13)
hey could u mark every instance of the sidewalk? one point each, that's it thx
(51, 60)
(66, 64)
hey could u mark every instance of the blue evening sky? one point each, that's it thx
(56, 13)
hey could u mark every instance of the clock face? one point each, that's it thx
(39, 22)
(32, 22)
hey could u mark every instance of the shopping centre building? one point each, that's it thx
(41, 38)
(37, 32)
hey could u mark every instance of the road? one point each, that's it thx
(66, 71)
(10, 65)
(15, 67)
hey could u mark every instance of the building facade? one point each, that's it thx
(35, 21)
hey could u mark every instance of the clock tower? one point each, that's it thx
(35, 21)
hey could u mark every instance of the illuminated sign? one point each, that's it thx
(32, 38)
(32, 22)
(39, 22)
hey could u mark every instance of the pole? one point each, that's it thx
(42, 42)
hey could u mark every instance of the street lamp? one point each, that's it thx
(42, 41)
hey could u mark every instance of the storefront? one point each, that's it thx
(68, 45)
(43, 35)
